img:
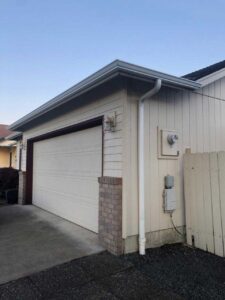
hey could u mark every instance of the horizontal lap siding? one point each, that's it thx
(113, 142)
(199, 119)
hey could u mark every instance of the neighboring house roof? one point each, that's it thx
(205, 71)
(15, 136)
(108, 72)
(4, 131)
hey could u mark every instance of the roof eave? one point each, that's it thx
(108, 72)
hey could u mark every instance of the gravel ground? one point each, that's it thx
(169, 272)
(189, 273)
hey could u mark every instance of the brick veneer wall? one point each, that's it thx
(22, 186)
(110, 214)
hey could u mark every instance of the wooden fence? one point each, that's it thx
(204, 185)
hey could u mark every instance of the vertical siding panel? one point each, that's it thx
(222, 117)
(178, 164)
(206, 146)
(212, 135)
(217, 125)
(186, 120)
(131, 167)
(171, 164)
(217, 87)
(162, 163)
(222, 89)
(125, 163)
(193, 123)
(199, 119)
(153, 184)
(222, 114)
(218, 106)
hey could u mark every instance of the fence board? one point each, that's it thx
(204, 187)
(221, 162)
(207, 204)
(215, 195)
(199, 200)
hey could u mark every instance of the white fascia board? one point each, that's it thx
(106, 73)
(211, 77)
(153, 74)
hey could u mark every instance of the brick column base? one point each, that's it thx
(110, 214)
(22, 187)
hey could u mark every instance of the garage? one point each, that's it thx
(65, 175)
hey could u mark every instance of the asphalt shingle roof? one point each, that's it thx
(205, 71)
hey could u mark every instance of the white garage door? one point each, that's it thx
(65, 176)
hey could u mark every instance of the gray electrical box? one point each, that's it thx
(169, 200)
(169, 194)
(169, 182)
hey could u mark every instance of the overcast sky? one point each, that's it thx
(46, 46)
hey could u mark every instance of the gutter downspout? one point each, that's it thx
(141, 163)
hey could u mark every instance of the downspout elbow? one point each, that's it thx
(153, 91)
(141, 177)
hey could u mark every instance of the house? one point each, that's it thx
(7, 148)
(99, 153)
(16, 138)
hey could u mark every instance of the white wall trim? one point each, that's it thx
(212, 77)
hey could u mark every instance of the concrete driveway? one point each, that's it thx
(32, 240)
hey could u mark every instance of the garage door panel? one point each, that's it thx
(55, 203)
(81, 164)
(65, 172)
(72, 186)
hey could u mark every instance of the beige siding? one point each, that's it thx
(14, 157)
(198, 118)
(113, 142)
(17, 160)
(4, 157)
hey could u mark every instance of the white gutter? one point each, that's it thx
(141, 163)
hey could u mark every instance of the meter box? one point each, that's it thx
(168, 144)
